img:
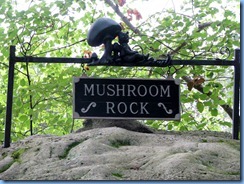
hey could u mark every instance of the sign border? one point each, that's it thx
(77, 116)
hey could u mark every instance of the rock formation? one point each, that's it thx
(117, 154)
(131, 125)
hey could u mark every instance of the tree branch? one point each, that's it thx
(7, 66)
(59, 48)
(121, 15)
(30, 98)
(183, 44)
(226, 107)
(204, 25)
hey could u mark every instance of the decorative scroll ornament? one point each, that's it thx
(85, 110)
(168, 111)
(104, 31)
(225, 51)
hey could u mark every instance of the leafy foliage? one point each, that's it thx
(43, 92)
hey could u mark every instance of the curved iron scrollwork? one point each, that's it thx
(225, 51)
(104, 31)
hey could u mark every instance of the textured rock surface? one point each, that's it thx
(119, 154)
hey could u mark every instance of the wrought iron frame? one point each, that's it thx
(13, 60)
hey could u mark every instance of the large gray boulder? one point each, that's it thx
(118, 154)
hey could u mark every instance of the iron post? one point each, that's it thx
(7, 138)
(236, 103)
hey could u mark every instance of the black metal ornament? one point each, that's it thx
(104, 31)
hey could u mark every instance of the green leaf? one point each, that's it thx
(23, 118)
(82, 5)
(214, 112)
(183, 128)
(156, 45)
(18, 102)
(200, 106)
(201, 126)
(206, 89)
(203, 96)
(221, 102)
(225, 123)
(170, 126)
(22, 82)
(216, 101)
(208, 103)
(186, 117)
(228, 13)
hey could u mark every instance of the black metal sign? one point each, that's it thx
(126, 98)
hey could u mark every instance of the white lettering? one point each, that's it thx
(122, 108)
(98, 90)
(110, 107)
(120, 89)
(89, 90)
(139, 90)
(111, 91)
(143, 108)
(119, 108)
(165, 91)
(131, 108)
(151, 90)
(131, 89)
